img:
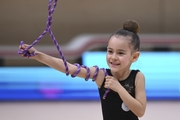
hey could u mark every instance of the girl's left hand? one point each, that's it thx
(112, 83)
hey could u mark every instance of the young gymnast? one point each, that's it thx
(126, 99)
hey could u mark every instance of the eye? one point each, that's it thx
(120, 53)
(109, 51)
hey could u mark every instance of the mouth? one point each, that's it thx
(114, 64)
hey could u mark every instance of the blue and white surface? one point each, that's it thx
(161, 70)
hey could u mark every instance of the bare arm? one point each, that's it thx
(138, 104)
(58, 64)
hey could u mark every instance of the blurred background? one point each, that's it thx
(30, 90)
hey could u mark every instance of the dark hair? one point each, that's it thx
(130, 28)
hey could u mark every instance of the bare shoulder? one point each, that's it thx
(140, 78)
(100, 78)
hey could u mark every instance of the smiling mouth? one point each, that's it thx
(114, 64)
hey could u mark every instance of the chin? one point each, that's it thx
(114, 69)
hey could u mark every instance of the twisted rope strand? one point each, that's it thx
(26, 53)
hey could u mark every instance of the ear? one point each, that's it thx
(136, 56)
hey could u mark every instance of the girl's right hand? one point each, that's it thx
(32, 51)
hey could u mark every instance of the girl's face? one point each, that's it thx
(119, 54)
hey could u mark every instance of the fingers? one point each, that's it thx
(108, 81)
(25, 53)
(108, 77)
(22, 48)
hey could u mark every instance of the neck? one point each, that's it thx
(122, 75)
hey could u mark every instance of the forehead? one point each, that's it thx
(119, 42)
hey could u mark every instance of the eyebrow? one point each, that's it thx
(118, 49)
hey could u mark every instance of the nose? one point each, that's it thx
(114, 57)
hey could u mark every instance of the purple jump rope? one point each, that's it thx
(26, 53)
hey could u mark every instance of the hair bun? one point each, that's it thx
(131, 25)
